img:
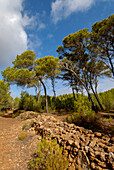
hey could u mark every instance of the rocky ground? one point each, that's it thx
(85, 149)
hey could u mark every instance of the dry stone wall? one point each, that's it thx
(86, 150)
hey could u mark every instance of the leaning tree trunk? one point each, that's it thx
(73, 94)
(90, 97)
(96, 97)
(46, 101)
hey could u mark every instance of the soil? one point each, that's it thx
(14, 153)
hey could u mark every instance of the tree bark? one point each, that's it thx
(73, 94)
(46, 101)
(53, 86)
(39, 87)
(96, 97)
(111, 64)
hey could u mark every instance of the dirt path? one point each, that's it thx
(14, 153)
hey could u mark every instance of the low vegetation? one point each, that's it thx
(22, 135)
(49, 155)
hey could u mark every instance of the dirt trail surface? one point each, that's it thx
(14, 153)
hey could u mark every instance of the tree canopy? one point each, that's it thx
(5, 98)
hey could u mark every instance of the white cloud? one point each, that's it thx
(63, 8)
(13, 38)
(50, 36)
(41, 26)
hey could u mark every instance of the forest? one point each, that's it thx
(83, 58)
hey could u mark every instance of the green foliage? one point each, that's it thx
(47, 65)
(102, 38)
(107, 99)
(16, 102)
(82, 105)
(25, 60)
(5, 98)
(66, 102)
(22, 135)
(28, 102)
(49, 156)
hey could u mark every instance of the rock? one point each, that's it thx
(70, 159)
(112, 140)
(93, 142)
(102, 156)
(76, 144)
(86, 149)
(98, 134)
(82, 145)
(93, 165)
(83, 161)
(110, 149)
(68, 147)
(70, 142)
(72, 167)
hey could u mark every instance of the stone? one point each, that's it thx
(72, 167)
(93, 165)
(93, 142)
(68, 147)
(70, 142)
(110, 149)
(86, 148)
(102, 156)
(83, 146)
(70, 159)
(76, 144)
(82, 160)
(98, 134)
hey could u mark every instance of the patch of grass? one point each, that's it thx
(28, 126)
(25, 126)
(22, 135)
(49, 156)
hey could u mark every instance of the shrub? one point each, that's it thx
(49, 156)
(22, 135)
(88, 120)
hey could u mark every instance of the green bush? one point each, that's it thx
(49, 156)
(107, 99)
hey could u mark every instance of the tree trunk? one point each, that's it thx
(39, 87)
(96, 97)
(53, 86)
(111, 64)
(45, 94)
(90, 97)
(73, 94)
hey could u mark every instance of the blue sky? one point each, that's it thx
(40, 25)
